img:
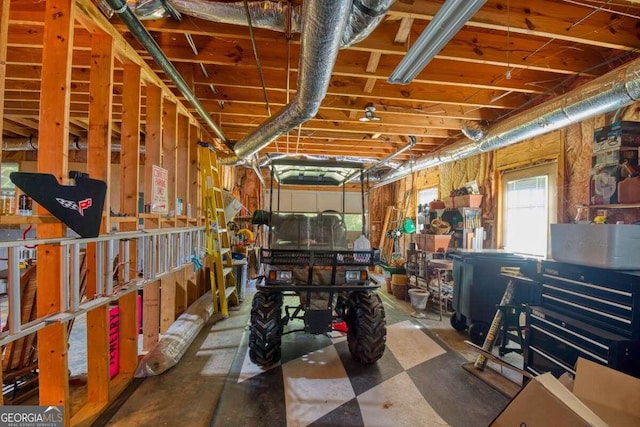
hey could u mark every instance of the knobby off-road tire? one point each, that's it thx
(457, 324)
(367, 331)
(265, 333)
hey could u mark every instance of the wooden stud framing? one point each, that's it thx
(4, 32)
(182, 161)
(99, 167)
(170, 147)
(167, 301)
(4, 35)
(150, 315)
(129, 188)
(182, 192)
(169, 161)
(97, 99)
(153, 135)
(52, 158)
(193, 189)
(130, 140)
(153, 146)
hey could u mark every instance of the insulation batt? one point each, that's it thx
(177, 339)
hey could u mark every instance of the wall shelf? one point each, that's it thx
(120, 219)
(616, 206)
(27, 219)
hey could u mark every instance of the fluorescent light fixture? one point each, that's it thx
(445, 24)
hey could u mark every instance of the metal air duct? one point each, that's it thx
(364, 17)
(614, 90)
(323, 25)
(326, 26)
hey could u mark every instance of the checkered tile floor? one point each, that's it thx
(418, 382)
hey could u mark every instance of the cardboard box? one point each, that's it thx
(601, 397)
(629, 190)
(466, 201)
(603, 184)
(616, 135)
(433, 242)
(616, 157)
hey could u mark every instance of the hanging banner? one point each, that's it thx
(159, 190)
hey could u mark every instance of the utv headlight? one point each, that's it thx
(281, 276)
(356, 275)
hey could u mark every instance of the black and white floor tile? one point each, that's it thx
(418, 382)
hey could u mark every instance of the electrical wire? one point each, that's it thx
(255, 53)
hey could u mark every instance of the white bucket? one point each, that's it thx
(419, 299)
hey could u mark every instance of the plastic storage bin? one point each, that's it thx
(478, 288)
(240, 272)
(613, 246)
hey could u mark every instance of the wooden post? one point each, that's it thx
(153, 145)
(153, 136)
(182, 162)
(193, 189)
(170, 148)
(150, 315)
(130, 142)
(99, 167)
(4, 35)
(167, 301)
(129, 188)
(52, 158)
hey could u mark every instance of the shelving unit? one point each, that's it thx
(591, 209)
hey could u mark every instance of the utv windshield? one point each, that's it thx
(325, 230)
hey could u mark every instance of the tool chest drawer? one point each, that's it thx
(606, 299)
(555, 341)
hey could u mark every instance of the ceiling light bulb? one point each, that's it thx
(508, 75)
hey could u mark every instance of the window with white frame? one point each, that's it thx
(529, 197)
(425, 196)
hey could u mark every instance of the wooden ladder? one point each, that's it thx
(220, 260)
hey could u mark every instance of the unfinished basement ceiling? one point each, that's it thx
(511, 56)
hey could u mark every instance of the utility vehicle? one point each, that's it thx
(312, 273)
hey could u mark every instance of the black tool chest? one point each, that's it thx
(585, 312)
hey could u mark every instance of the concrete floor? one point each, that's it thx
(188, 393)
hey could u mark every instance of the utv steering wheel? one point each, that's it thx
(340, 223)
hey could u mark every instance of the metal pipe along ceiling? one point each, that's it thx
(139, 31)
(614, 90)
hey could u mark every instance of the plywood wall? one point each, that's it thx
(379, 200)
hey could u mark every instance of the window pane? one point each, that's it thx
(5, 181)
(427, 195)
(526, 208)
(424, 197)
